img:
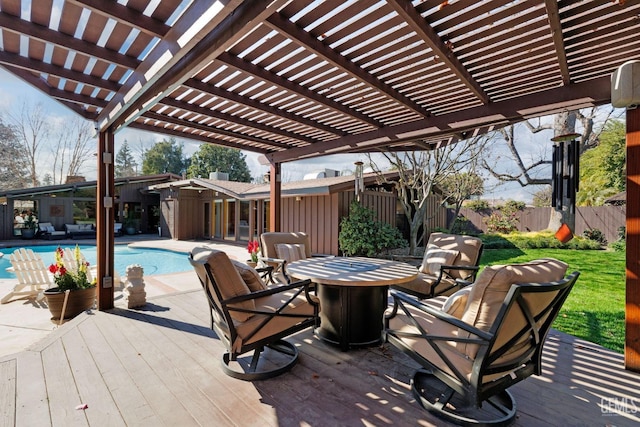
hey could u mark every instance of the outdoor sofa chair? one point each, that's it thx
(49, 232)
(279, 248)
(80, 231)
(481, 340)
(450, 262)
(249, 316)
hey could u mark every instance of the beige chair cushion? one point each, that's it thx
(434, 327)
(270, 239)
(250, 276)
(468, 246)
(290, 252)
(490, 289)
(299, 306)
(435, 258)
(457, 302)
(227, 279)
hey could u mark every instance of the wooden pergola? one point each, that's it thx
(293, 79)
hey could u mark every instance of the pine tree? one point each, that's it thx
(125, 163)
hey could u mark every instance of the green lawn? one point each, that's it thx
(594, 310)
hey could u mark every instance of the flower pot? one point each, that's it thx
(28, 233)
(564, 233)
(251, 263)
(79, 301)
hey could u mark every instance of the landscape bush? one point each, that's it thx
(362, 235)
(535, 240)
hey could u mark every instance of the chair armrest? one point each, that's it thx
(273, 260)
(472, 269)
(441, 315)
(304, 284)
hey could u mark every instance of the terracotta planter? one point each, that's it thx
(564, 233)
(251, 263)
(79, 301)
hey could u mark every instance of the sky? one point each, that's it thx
(15, 92)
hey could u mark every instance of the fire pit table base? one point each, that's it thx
(351, 316)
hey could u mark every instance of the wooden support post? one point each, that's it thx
(104, 226)
(275, 191)
(632, 318)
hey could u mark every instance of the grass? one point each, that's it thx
(594, 310)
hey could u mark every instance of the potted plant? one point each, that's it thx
(253, 248)
(129, 225)
(29, 227)
(74, 292)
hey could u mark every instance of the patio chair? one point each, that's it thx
(481, 340)
(279, 248)
(248, 320)
(32, 274)
(450, 262)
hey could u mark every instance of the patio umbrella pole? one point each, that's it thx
(64, 306)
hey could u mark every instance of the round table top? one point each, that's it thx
(352, 271)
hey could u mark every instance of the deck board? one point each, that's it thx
(7, 392)
(160, 365)
(32, 407)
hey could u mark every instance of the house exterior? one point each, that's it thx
(75, 203)
(219, 209)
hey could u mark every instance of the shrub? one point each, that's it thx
(361, 235)
(536, 240)
(460, 225)
(595, 235)
(619, 245)
(505, 220)
(478, 205)
(501, 222)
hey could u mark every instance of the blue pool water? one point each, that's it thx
(154, 261)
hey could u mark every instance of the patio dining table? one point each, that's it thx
(353, 295)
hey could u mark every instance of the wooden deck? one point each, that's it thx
(160, 366)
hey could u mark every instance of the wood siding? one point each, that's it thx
(320, 216)
(316, 216)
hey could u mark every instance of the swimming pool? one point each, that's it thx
(154, 261)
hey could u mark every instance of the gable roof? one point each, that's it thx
(249, 191)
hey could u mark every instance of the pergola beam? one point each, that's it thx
(41, 67)
(262, 74)
(125, 15)
(206, 128)
(64, 41)
(408, 13)
(195, 137)
(558, 39)
(256, 105)
(284, 25)
(189, 45)
(207, 112)
(53, 92)
(578, 95)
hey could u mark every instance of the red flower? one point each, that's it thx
(253, 248)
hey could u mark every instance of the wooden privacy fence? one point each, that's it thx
(607, 219)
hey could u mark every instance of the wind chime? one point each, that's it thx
(565, 175)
